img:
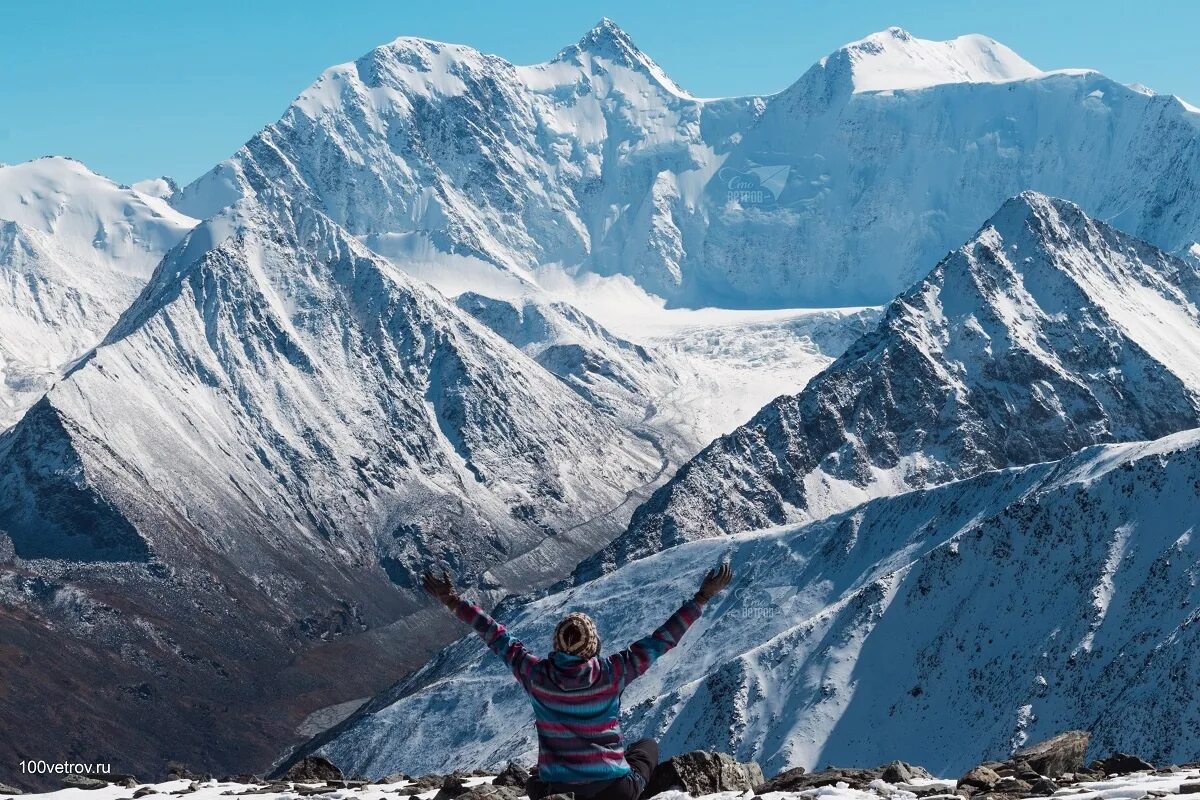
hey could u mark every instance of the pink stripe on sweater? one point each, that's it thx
(598, 727)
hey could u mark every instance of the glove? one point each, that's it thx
(441, 588)
(716, 580)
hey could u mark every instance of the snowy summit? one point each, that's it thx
(895, 59)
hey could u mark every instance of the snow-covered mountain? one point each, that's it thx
(611, 373)
(839, 190)
(271, 442)
(75, 249)
(1045, 333)
(942, 627)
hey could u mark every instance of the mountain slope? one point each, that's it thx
(75, 249)
(422, 145)
(253, 465)
(1045, 333)
(611, 373)
(942, 627)
(835, 192)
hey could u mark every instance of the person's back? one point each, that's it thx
(576, 695)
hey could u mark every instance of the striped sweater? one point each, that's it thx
(576, 701)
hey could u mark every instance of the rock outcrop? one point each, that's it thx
(700, 772)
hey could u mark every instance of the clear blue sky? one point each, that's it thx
(137, 89)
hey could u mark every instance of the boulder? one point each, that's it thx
(422, 784)
(1043, 788)
(940, 789)
(242, 777)
(489, 791)
(1120, 764)
(898, 772)
(395, 777)
(453, 785)
(1012, 785)
(980, 778)
(567, 796)
(7, 790)
(512, 775)
(700, 772)
(902, 772)
(797, 780)
(783, 782)
(83, 782)
(145, 790)
(313, 769)
(178, 772)
(1053, 757)
(1190, 788)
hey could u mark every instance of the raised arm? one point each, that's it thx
(494, 635)
(633, 661)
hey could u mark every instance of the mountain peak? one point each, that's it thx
(895, 59)
(1037, 212)
(606, 40)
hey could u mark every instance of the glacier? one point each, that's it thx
(838, 191)
(1046, 332)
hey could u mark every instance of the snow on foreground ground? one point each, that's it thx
(1158, 784)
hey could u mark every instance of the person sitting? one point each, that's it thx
(576, 694)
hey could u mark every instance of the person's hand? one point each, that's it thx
(716, 580)
(441, 588)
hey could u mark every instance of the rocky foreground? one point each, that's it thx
(1051, 769)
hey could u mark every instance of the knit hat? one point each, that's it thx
(576, 635)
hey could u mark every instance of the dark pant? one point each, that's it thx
(642, 756)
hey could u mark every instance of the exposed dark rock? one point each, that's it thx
(979, 778)
(313, 769)
(243, 777)
(796, 780)
(992, 795)
(785, 778)
(422, 784)
(567, 796)
(1043, 788)
(1190, 788)
(1012, 785)
(898, 772)
(929, 790)
(5, 789)
(83, 782)
(1120, 764)
(177, 771)
(397, 777)
(488, 791)
(1057, 756)
(700, 772)
(145, 790)
(512, 775)
(453, 785)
